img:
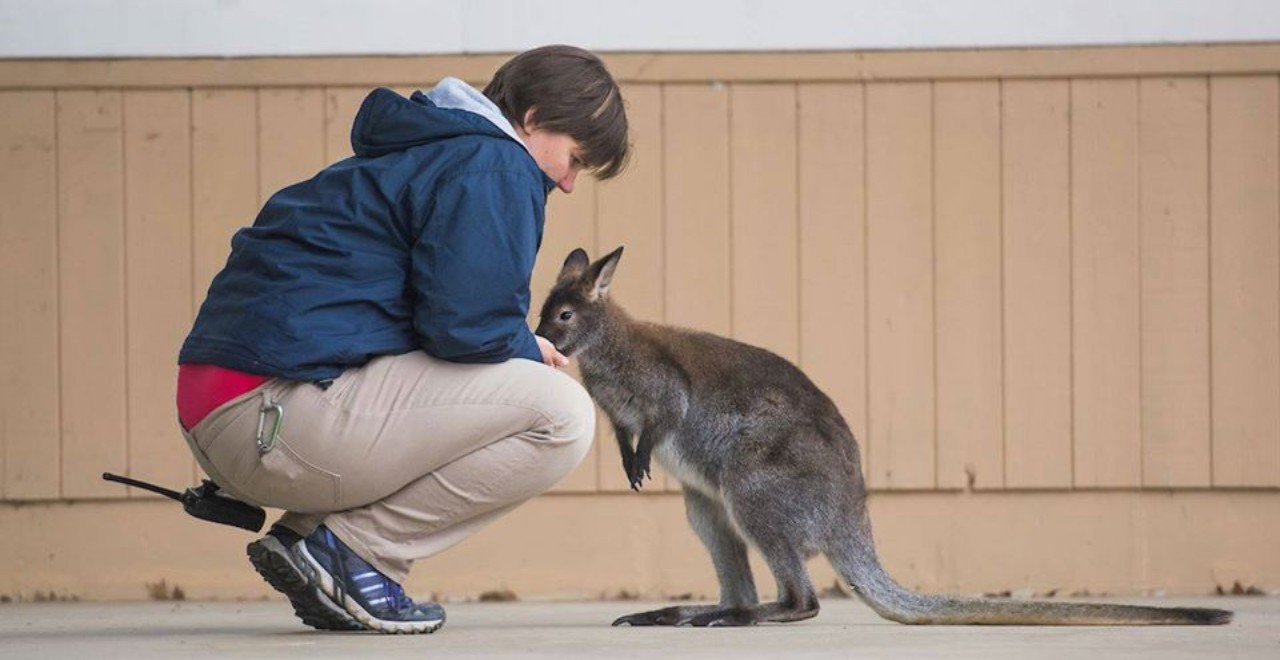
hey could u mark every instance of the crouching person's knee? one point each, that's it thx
(570, 422)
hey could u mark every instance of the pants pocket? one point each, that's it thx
(280, 478)
(285, 480)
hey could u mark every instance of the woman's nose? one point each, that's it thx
(566, 183)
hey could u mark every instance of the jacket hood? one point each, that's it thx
(387, 122)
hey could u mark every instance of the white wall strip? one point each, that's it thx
(194, 28)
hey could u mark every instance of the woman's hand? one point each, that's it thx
(550, 356)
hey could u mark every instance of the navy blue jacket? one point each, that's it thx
(425, 239)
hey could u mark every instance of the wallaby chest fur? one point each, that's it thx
(711, 403)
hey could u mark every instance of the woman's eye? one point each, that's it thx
(566, 315)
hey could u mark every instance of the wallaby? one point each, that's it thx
(765, 459)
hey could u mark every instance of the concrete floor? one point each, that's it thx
(845, 628)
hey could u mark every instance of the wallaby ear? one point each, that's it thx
(601, 273)
(574, 265)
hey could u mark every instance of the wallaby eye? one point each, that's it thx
(566, 315)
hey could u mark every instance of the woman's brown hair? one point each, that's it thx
(570, 92)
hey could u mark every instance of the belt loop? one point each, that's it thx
(266, 444)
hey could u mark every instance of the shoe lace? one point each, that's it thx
(396, 596)
(396, 599)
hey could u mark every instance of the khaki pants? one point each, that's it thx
(404, 456)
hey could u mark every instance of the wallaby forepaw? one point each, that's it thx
(636, 477)
(640, 464)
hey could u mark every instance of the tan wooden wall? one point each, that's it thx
(1013, 270)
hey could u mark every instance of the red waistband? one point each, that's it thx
(204, 387)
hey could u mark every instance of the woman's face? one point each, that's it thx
(557, 154)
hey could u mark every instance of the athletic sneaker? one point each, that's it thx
(375, 600)
(273, 558)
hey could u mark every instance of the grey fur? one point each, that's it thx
(765, 459)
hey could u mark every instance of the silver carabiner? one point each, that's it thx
(266, 444)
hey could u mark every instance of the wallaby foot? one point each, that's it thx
(667, 616)
(748, 616)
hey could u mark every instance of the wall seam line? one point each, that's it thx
(124, 268)
(58, 218)
(1071, 287)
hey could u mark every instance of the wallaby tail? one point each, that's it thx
(857, 564)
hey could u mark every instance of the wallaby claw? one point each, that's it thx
(664, 617)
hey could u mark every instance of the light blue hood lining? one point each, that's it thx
(455, 94)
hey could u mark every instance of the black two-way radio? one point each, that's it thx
(205, 503)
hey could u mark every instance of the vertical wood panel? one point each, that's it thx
(695, 122)
(1175, 282)
(1105, 281)
(291, 139)
(629, 209)
(1245, 263)
(29, 446)
(629, 212)
(967, 207)
(91, 296)
(900, 295)
(224, 179)
(224, 170)
(1037, 277)
(340, 106)
(158, 276)
(833, 251)
(763, 232)
(696, 187)
(570, 224)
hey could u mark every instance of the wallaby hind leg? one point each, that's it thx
(780, 535)
(796, 598)
(729, 554)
